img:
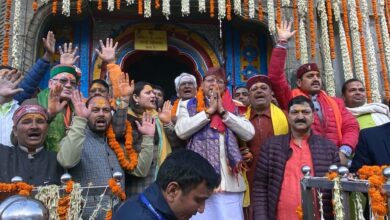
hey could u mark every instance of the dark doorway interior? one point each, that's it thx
(158, 68)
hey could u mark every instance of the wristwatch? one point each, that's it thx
(223, 113)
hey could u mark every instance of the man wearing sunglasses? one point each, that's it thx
(56, 99)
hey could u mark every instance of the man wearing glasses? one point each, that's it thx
(56, 99)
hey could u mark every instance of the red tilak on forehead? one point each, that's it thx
(100, 102)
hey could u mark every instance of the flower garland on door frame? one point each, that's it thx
(285, 3)
(345, 19)
(237, 7)
(20, 188)
(278, 12)
(66, 7)
(385, 32)
(328, 68)
(130, 2)
(202, 6)
(319, 196)
(221, 9)
(246, 9)
(251, 9)
(271, 17)
(166, 8)
(7, 25)
(54, 7)
(212, 5)
(147, 8)
(140, 7)
(35, 5)
(343, 43)
(364, 52)
(302, 10)
(118, 4)
(296, 27)
(79, 6)
(15, 50)
(357, 50)
(381, 52)
(229, 10)
(185, 7)
(371, 53)
(330, 29)
(312, 28)
(260, 12)
(110, 5)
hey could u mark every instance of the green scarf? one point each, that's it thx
(56, 130)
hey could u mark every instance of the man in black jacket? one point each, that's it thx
(184, 182)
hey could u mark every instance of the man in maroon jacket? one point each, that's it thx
(276, 187)
(331, 119)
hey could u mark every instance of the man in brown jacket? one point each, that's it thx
(276, 187)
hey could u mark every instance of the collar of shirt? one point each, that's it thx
(304, 141)
(30, 154)
(266, 113)
(6, 107)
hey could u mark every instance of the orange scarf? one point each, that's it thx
(331, 102)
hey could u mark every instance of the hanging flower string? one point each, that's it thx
(7, 26)
(381, 52)
(346, 26)
(100, 5)
(157, 4)
(246, 9)
(271, 17)
(21, 188)
(312, 29)
(110, 5)
(212, 8)
(35, 5)
(140, 7)
(385, 32)
(299, 212)
(296, 26)
(260, 11)
(64, 202)
(229, 10)
(302, 10)
(118, 4)
(237, 7)
(54, 7)
(16, 42)
(330, 28)
(278, 12)
(79, 6)
(251, 9)
(117, 191)
(378, 198)
(166, 8)
(132, 161)
(364, 52)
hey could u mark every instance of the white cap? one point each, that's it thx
(182, 78)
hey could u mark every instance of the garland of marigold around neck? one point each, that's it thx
(174, 108)
(21, 188)
(126, 164)
(200, 105)
(376, 194)
(64, 202)
(117, 191)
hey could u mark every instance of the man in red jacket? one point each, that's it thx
(331, 119)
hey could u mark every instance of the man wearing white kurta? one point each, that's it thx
(211, 126)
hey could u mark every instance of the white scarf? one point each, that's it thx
(379, 112)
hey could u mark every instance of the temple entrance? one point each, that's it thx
(158, 68)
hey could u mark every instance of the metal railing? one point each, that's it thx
(308, 183)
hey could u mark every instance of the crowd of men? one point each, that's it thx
(243, 152)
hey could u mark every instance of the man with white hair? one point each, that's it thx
(185, 85)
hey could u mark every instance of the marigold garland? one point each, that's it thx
(175, 107)
(246, 9)
(296, 26)
(21, 188)
(35, 5)
(126, 164)
(299, 212)
(330, 28)
(312, 29)
(381, 52)
(200, 105)
(118, 4)
(157, 4)
(54, 7)
(346, 27)
(79, 6)
(64, 202)
(278, 12)
(140, 7)
(100, 5)
(387, 12)
(364, 52)
(260, 11)
(375, 192)
(229, 10)
(108, 215)
(331, 175)
(116, 189)
(7, 26)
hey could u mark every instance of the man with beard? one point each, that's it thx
(210, 124)
(367, 114)
(29, 159)
(84, 151)
(276, 187)
(331, 119)
(241, 94)
(159, 93)
(268, 120)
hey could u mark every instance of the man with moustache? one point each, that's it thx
(211, 125)
(276, 187)
(331, 119)
(28, 158)
(367, 114)
(241, 94)
(185, 85)
(267, 119)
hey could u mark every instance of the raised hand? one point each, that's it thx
(164, 114)
(9, 81)
(126, 89)
(213, 104)
(49, 43)
(54, 103)
(79, 106)
(148, 126)
(284, 30)
(220, 108)
(68, 54)
(107, 52)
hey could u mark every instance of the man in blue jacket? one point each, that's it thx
(184, 182)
